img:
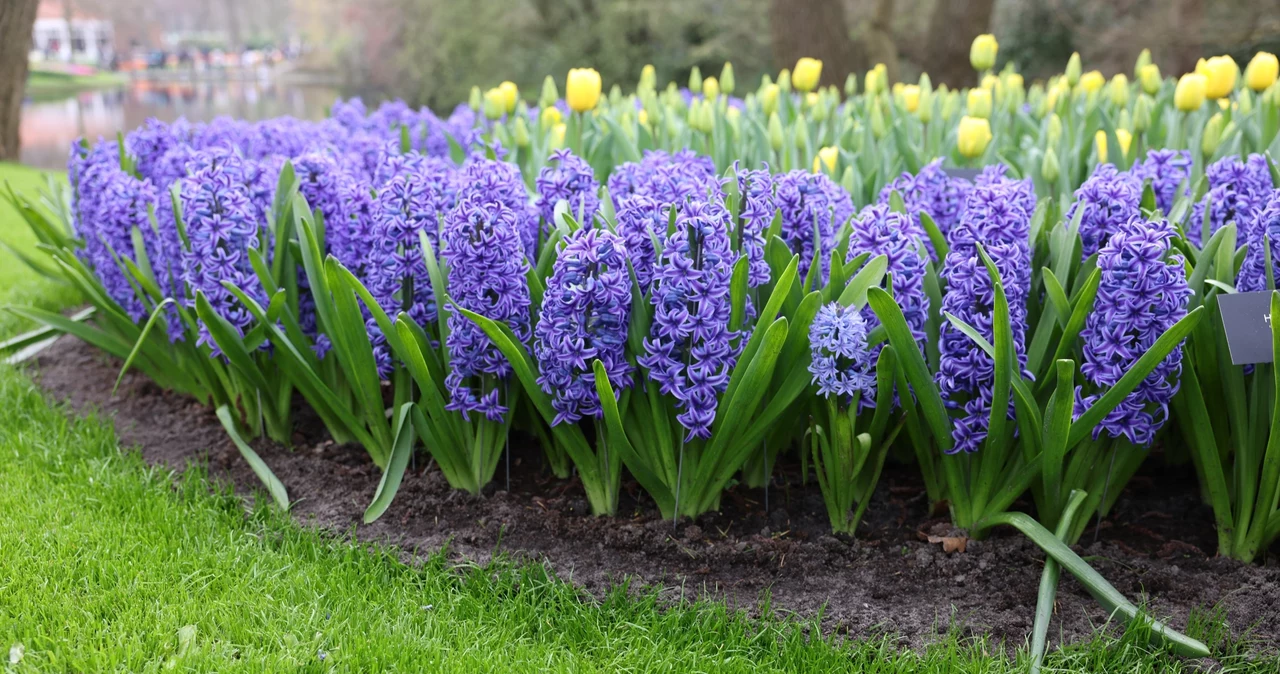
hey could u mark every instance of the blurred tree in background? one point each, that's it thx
(433, 51)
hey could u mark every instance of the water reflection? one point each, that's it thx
(49, 126)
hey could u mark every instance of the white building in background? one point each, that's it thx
(85, 39)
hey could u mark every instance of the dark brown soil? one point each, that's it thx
(1157, 548)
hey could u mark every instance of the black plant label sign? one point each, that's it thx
(1247, 319)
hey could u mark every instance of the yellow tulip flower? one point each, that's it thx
(1219, 74)
(979, 103)
(582, 89)
(1261, 71)
(973, 136)
(510, 95)
(982, 53)
(827, 156)
(807, 73)
(1190, 93)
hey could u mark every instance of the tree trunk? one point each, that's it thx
(951, 31)
(880, 46)
(17, 18)
(814, 28)
(1186, 21)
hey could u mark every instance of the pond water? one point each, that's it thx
(49, 126)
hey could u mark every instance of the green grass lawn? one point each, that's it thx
(108, 564)
(52, 84)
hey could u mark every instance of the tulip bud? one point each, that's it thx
(769, 99)
(1119, 90)
(1244, 102)
(1142, 113)
(476, 101)
(495, 103)
(711, 88)
(979, 103)
(807, 73)
(846, 180)
(1190, 93)
(817, 109)
(1100, 140)
(982, 53)
(1149, 77)
(1261, 71)
(549, 118)
(876, 80)
(1144, 60)
(1220, 75)
(784, 81)
(1125, 120)
(800, 132)
(1212, 136)
(878, 125)
(826, 159)
(520, 131)
(695, 79)
(1073, 69)
(582, 89)
(557, 136)
(648, 79)
(851, 85)
(511, 95)
(950, 104)
(995, 86)
(549, 94)
(972, 136)
(1053, 129)
(775, 132)
(911, 97)
(924, 110)
(1049, 166)
(727, 83)
(1091, 81)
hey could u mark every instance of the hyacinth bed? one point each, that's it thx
(685, 289)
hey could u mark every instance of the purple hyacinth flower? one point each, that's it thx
(1238, 191)
(1263, 233)
(570, 178)
(756, 209)
(690, 350)
(584, 317)
(841, 362)
(1106, 200)
(491, 180)
(880, 231)
(933, 191)
(486, 274)
(1168, 171)
(812, 205)
(1143, 292)
(994, 218)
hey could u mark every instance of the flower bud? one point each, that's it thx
(1119, 90)
(1190, 93)
(817, 107)
(1212, 136)
(1091, 81)
(979, 103)
(775, 132)
(1149, 78)
(727, 83)
(520, 131)
(1073, 69)
(800, 132)
(557, 136)
(643, 118)
(1244, 102)
(1219, 74)
(878, 125)
(1144, 60)
(911, 97)
(1049, 168)
(1053, 129)
(1261, 71)
(476, 101)
(695, 79)
(950, 104)
(550, 94)
(784, 81)
(495, 103)
(582, 89)
(549, 117)
(1142, 112)
(972, 136)
(851, 85)
(876, 80)
(648, 78)
(982, 53)
(711, 88)
(847, 180)
(807, 73)
(510, 94)
(826, 159)
(769, 99)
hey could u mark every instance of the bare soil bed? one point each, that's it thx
(1157, 547)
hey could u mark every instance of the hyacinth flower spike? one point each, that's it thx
(848, 446)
